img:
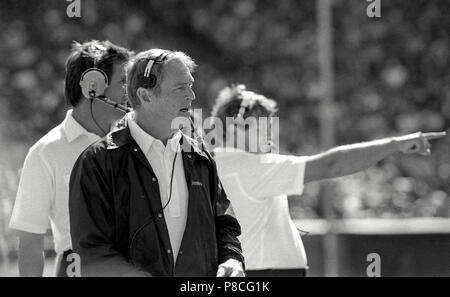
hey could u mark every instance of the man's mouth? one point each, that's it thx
(185, 109)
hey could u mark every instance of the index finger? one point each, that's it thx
(434, 135)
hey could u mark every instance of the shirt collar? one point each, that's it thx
(122, 137)
(145, 140)
(73, 129)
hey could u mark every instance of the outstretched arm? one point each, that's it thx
(348, 159)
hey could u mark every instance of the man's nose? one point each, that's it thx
(191, 95)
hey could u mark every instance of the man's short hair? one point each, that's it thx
(229, 100)
(136, 68)
(100, 54)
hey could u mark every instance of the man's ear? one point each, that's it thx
(143, 94)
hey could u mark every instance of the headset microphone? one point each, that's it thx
(114, 104)
(197, 135)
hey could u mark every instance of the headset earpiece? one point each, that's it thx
(150, 79)
(93, 82)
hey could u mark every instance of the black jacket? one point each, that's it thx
(114, 203)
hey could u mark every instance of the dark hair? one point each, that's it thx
(100, 54)
(136, 68)
(229, 100)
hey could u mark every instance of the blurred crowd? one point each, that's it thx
(391, 78)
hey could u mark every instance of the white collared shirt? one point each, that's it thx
(257, 186)
(161, 160)
(43, 191)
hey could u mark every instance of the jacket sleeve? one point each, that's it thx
(227, 226)
(92, 224)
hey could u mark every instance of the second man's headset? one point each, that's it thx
(239, 120)
(93, 83)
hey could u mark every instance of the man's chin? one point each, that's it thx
(181, 121)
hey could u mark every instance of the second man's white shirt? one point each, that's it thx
(43, 191)
(161, 160)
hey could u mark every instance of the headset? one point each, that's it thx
(93, 83)
(239, 120)
(149, 80)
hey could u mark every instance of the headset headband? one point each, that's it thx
(246, 101)
(161, 58)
